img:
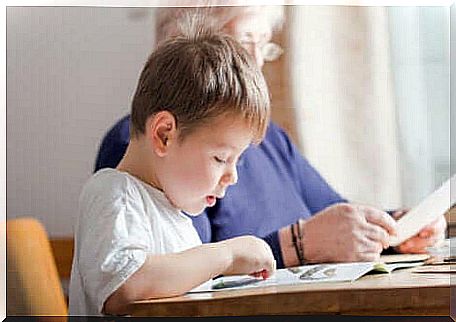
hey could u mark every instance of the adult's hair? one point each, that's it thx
(198, 76)
(170, 21)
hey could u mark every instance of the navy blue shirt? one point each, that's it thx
(275, 187)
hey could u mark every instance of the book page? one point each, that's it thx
(345, 272)
(429, 209)
(317, 273)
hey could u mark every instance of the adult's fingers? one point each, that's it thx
(380, 218)
(430, 229)
(417, 244)
(399, 213)
(414, 245)
(367, 245)
(368, 256)
(377, 234)
(437, 227)
(366, 249)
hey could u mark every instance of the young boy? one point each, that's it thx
(199, 103)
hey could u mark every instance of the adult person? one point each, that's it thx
(279, 196)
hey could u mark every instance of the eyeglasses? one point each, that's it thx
(269, 51)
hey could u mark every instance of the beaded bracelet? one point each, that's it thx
(297, 247)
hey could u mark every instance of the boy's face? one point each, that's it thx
(200, 168)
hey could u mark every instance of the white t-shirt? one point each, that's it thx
(121, 221)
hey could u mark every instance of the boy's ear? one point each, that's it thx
(161, 131)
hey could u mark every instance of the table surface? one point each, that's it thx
(402, 292)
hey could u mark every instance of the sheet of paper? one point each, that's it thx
(433, 206)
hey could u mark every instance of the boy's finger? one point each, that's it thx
(264, 274)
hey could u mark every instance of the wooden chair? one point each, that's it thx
(33, 284)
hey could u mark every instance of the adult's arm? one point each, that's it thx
(344, 239)
(316, 193)
(337, 231)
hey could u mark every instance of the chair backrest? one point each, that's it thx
(33, 284)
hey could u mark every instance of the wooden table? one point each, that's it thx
(400, 293)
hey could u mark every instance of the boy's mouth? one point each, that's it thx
(211, 200)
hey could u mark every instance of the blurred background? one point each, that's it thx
(363, 91)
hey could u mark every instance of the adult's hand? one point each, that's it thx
(347, 233)
(430, 235)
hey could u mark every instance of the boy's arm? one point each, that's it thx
(176, 273)
(170, 275)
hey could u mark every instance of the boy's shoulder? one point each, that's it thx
(110, 190)
(107, 183)
(108, 175)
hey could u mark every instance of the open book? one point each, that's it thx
(343, 272)
(429, 209)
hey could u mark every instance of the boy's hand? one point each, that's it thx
(250, 255)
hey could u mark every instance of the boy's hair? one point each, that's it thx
(200, 76)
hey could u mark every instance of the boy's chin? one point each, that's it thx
(194, 212)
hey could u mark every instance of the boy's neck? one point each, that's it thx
(138, 163)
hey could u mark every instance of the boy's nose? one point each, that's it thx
(230, 177)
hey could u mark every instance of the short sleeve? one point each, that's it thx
(114, 238)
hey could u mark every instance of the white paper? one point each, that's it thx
(429, 209)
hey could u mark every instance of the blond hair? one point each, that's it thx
(199, 76)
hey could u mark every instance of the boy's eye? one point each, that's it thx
(219, 160)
